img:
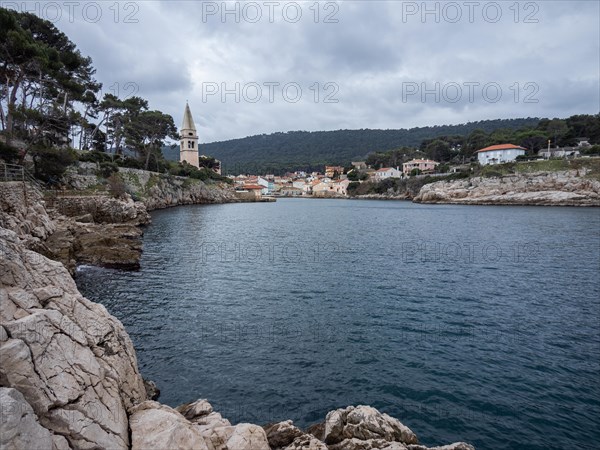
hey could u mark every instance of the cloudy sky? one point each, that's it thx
(260, 67)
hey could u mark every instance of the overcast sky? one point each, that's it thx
(333, 65)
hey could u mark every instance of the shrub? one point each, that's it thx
(50, 163)
(94, 156)
(107, 169)
(491, 174)
(116, 185)
(129, 162)
(8, 153)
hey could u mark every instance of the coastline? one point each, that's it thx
(70, 377)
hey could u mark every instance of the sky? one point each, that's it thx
(250, 68)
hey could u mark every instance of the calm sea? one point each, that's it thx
(467, 323)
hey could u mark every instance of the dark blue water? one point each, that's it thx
(465, 322)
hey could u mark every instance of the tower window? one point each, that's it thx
(190, 134)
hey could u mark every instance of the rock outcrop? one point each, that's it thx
(72, 361)
(23, 211)
(19, 427)
(568, 188)
(159, 191)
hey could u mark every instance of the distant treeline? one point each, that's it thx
(303, 150)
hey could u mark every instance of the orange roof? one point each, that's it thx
(253, 186)
(384, 169)
(491, 148)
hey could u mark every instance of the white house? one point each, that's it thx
(267, 185)
(498, 154)
(387, 172)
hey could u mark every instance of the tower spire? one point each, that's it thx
(188, 120)
(188, 148)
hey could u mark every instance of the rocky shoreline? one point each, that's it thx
(566, 188)
(69, 376)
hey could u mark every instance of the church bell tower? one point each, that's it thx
(188, 150)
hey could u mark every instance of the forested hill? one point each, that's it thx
(303, 150)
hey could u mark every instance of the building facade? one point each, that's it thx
(387, 172)
(422, 165)
(498, 154)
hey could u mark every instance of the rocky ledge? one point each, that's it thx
(74, 229)
(567, 188)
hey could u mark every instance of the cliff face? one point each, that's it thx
(160, 191)
(567, 188)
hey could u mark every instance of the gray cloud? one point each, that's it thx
(372, 53)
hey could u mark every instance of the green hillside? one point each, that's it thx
(303, 150)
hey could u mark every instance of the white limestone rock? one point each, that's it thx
(156, 426)
(282, 434)
(72, 361)
(19, 427)
(306, 442)
(365, 422)
(568, 188)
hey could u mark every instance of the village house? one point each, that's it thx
(560, 152)
(290, 191)
(333, 171)
(422, 165)
(341, 187)
(388, 172)
(268, 185)
(249, 191)
(498, 154)
(359, 165)
(323, 189)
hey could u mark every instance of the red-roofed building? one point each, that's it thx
(498, 154)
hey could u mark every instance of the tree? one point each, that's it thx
(557, 129)
(44, 77)
(147, 131)
(475, 141)
(438, 150)
(532, 140)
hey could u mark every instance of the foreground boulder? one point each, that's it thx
(158, 426)
(364, 423)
